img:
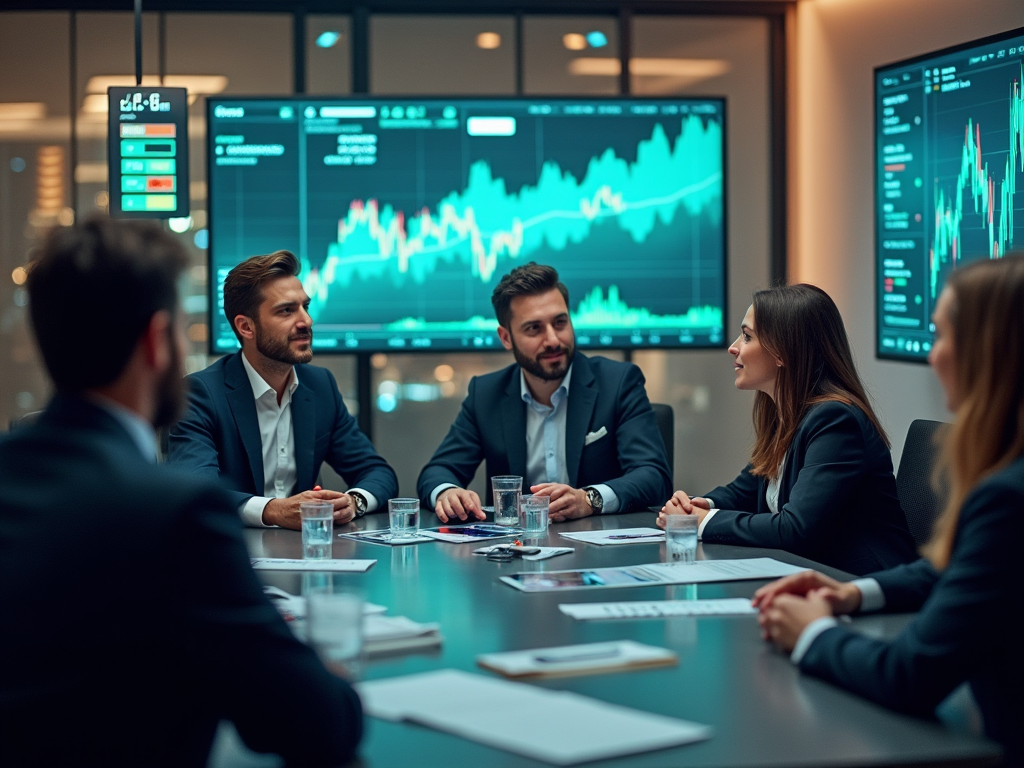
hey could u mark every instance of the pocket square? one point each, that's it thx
(593, 437)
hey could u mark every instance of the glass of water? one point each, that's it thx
(681, 538)
(534, 518)
(317, 529)
(335, 629)
(507, 490)
(404, 517)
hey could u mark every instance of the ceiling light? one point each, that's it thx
(692, 69)
(597, 39)
(574, 41)
(22, 110)
(488, 40)
(328, 39)
(202, 85)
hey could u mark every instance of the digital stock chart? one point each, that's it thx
(950, 154)
(405, 215)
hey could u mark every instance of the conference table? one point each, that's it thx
(762, 710)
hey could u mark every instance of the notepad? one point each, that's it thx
(572, 660)
(658, 609)
(286, 564)
(564, 728)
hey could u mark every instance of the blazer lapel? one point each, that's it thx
(582, 399)
(243, 408)
(304, 430)
(513, 420)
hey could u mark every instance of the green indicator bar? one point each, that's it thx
(900, 282)
(147, 148)
(133, 183)
(149, 202)
(149, 166)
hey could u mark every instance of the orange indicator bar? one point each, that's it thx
(139, 130)
(160, 184)
(896, 167)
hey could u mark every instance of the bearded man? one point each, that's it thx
(263, 420)
(577, 429)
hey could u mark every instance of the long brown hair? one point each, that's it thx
(987, 315)
(801, 326)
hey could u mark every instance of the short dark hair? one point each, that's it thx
(93, 291)
(243, 287)
(526, 280)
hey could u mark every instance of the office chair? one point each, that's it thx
(666, 419)
(913, 480)
(26, 419)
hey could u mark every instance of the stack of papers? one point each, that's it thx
(586, 659)
(617, 536)
(658, 609)
(288, 564)
(384, 635)
(564, 728)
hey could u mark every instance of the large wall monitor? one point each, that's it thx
(406, 212)
(949, 137)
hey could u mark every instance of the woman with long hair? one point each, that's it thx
(966, 586)
(820, 482)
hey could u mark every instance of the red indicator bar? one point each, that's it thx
(142, 130)
(896, 167)
(160, 184)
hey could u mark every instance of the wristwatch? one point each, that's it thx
(360, 502)
(595, 500)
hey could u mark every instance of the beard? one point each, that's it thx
(545, 372)
(171, 389)
(281, 350)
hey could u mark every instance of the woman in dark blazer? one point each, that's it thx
(820, 481)
(967, 589)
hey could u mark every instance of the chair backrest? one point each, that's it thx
(26, 419)
(913, 480)
(667, 427)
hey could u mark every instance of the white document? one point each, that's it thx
(617, 536)
(657, 609)
(475, 532)
(565, 728)
(286, 564)
(544, 554)
(576, 659)
(652, 574)
(294, 606)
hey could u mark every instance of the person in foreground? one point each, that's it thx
(577, 429)
(820, 481)
(133, 620)
(967, 588)
(263, 421)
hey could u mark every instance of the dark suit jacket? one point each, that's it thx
(968, 628)
(491, 427)
(219, 436)
(133, 621)
(837, 498)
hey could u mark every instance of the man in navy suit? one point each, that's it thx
(263, 421)
(140, 622)
(577, 429)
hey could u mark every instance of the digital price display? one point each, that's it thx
(148, 152)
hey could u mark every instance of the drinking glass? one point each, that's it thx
(317, 529)
(404, 517)
(681, 538)
(507, 490)
(335, 630)
(534, 518)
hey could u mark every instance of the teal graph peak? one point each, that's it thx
(975, 177)
(594, 312)
(486, 223)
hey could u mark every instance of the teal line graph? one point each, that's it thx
(975, 176)
(486, 223)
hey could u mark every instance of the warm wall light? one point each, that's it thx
(444, 373)
(22, 110)
(574, 41)
(488, 40)
(50, 180)
(201, 85)
(379, 361)
(692, 69)
(19, 275)
(197, 332)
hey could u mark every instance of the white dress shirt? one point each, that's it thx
(279, 470)
(771, 497)
(545, 443)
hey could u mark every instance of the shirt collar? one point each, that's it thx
(259, 384)
(556, 398)
(140, 430)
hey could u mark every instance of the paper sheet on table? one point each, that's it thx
(463, 534)
(653, 574)
(616, 536)
(585, 659)
(657, 609)
(544, 554)
(383, 536)
(565, 728)
(294, 606)
(286, 564)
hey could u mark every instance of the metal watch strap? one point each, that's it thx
(595, 499)
(360, 501)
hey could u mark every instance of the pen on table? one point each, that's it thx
(635, 535)
(584, 656)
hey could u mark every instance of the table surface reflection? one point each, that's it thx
(763, 711)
